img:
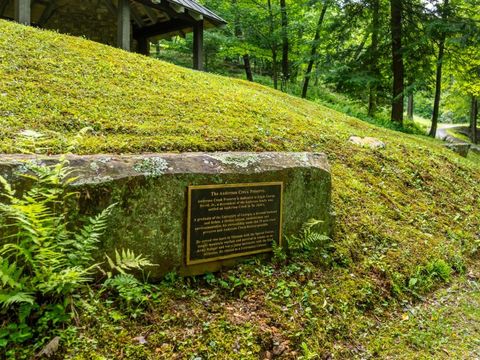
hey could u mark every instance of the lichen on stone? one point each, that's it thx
(26, 166)
(105, 159)
(242, 161)
(302, 157)
(94, 166)
(153, 166)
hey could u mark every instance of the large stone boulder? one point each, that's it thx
(151, 195)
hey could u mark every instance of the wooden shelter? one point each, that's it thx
(128, 24)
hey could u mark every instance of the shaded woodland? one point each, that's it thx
(395, 59)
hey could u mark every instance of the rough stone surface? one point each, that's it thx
(459, 147)
(151, 194)
(369, 142)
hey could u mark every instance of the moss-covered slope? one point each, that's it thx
(402, 213)
(406, 195)
(57, 85)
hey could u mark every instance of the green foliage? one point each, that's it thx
(279, 253)
(42, 255)
(125, 261)
(396, 209)
(309, 241)
(44, 259)
(427, 276)
(307, 353)
(236, 286)
(128, 287)
(308, 238)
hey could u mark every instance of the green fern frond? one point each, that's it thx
(310, 223)
(7, 299)
(127, 260)
(308, 238)
(10, 274)
(42, 252)
(9, 192)
(88, 237)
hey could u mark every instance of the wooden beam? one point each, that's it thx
(136, 17)
(198, 55)
(161, 28)
(178, 8)
(123, 25)
(23, 11)
(195, 15)
(165, 8)
(150, 13)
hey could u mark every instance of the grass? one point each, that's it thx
(444, 326)
(407, 216)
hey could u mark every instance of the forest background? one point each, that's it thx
(386, 61)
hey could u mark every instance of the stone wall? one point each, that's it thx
(87, 18)
(151, 195)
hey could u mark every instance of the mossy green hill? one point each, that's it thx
(407, 216)
(58, 85)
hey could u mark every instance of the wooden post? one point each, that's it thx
(143, 46)
(23, 11)
(198, 55)
(123, 25)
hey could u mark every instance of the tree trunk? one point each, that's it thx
(248, 67)
(273, 46)
(313, 52)
(473, 119)
(373, 88)
(285, 44)
(438, 87)
(239, 35)
(410, 107)
(275, 68)
(317, 73)
(397, 60)
(438, 79)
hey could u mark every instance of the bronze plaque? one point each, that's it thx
(233, 220)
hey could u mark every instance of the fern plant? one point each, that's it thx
(308, 237)
(125, 261)
(44, 259)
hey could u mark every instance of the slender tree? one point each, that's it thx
(239, 35)
(285, 44)
(473, 119)
(444, 12)
(397, 60)
(374, 70)
(313, 51)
